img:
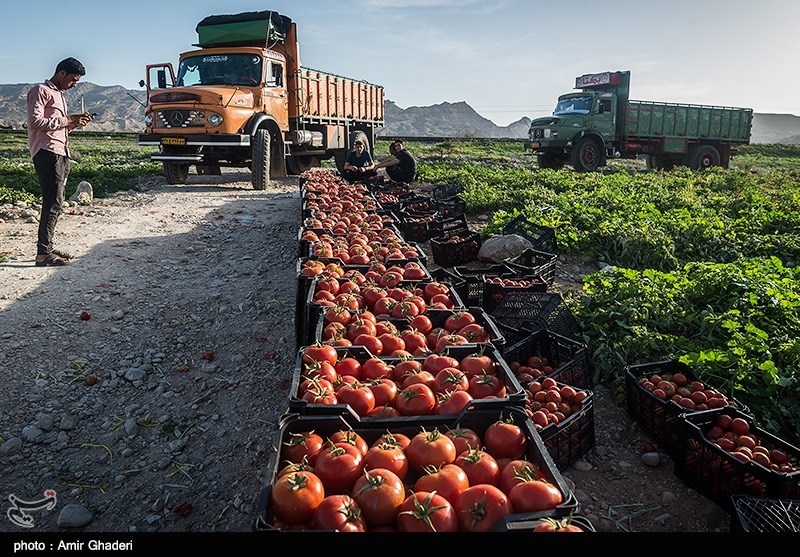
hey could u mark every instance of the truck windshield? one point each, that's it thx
(573, 105)
(220, 69)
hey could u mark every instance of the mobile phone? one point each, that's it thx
(93, 114)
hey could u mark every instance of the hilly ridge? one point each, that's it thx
(122, 110)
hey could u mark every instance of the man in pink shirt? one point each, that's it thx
(48, 128)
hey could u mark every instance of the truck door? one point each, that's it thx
(276, 98)
(604, 118)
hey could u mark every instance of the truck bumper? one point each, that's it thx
(186, 148)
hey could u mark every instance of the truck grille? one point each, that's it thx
(180, 118)
(537, 134)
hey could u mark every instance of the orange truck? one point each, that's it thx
(243, 100)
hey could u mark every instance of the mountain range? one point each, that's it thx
(121, 110)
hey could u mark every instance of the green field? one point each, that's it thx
(704, 263)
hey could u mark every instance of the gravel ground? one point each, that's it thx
(157, 413)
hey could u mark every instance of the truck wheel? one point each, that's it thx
(586, 155)
(176, 172)
(702, 157)
(550, 161)
(363, 137)
(260, 177)
(299, 164)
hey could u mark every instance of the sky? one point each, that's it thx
(507, 59)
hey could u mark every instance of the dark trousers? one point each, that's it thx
(52, 171)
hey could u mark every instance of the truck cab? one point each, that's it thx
(584, 124)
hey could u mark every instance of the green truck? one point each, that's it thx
(600, 122)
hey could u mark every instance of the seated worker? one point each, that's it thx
(358, 165)
(405, 169)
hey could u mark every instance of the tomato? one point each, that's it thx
(422, 323)
(338, 314)
(392, 342)
(291, 468)
(449, 340)
(474, 332)
(435, 363)
(375, 368)
(480, 507)
(431, 289)
(320, 369)
(339, 466)
(319, 395)
(371, 343)
(535, 495)
(340, 513)
(415, 400)
(349, 366)
(360, 326)
(298, 446)
(478, 363)
(485, 386)
(405, 309)
(424, 377)
(415, 342)
(450, 379)
(464, 438)
(480, 466)
(385, 391)
(393, 438)
(319, 352)
(384, 306)
(385, 411)
(452, 402)
(505, 439)
(557, 525)
(359, 397)
(740, 426)
(387, 456)
(424, 511)
(351, 438)
(430, 448)
(413, 271)
(379, 493)
(293, 498)
(458, 320)
(516, 471)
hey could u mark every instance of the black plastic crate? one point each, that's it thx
(495, 290)
(413, 201)
(536, 263)
(759, 514)
(569, 440)
(446, 191)
(658, 417)
(457, 248)
(544, 310)
(514, 393)
(568, 358)
(475, 280)
(456, 282)
(414, 225)
(542, 238)
(476, 420)
(717, 474)
(451, 207)
(442, 226)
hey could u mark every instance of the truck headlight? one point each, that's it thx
(214, 119)
(148, 120)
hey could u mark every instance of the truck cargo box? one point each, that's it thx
(244, 29)
(657, 119)
(317, 94)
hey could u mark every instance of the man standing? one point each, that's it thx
(48, 128)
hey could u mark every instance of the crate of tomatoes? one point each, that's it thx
(722, 452)
(475, 472)
(657, 393)
(497, 288)
(331, 379)
(457, 247)
(544, 353)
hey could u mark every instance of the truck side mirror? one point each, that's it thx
(141, 83)
(162, 79)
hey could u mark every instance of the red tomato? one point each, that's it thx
(339, 466)
(359, 396)
(392, 438)
(464, 438)
(449, 340)
(298, 446)
(424, 511)
(361, 326)
(480, 507)
(430, 448)
(435, 363)
(557, 525)
(474, 332)
(449, 481)
(385, 411)
(370, 342)
(349, 366)
(458, 320)
(405, 368)
(379, 493)
(415, 400)
(385, 391)
(535, 495)
(485, 386)
(424, 377)
(387, 456)
(431, 289)
(422, 323)
(351, 438)
(505, 439)
(516, 471)
(415, 342)
(340, 513)
(323, 370)
(392, 342)
(293, 498)
(319, 352)
(450, 379)
(480, 466)
(375, 368)
(453, 402)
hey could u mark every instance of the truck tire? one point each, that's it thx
(550, 161)
(260, 177)
(363, 137)
(299, 164)
(702, 157)
(176, 172)
(586, 155)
